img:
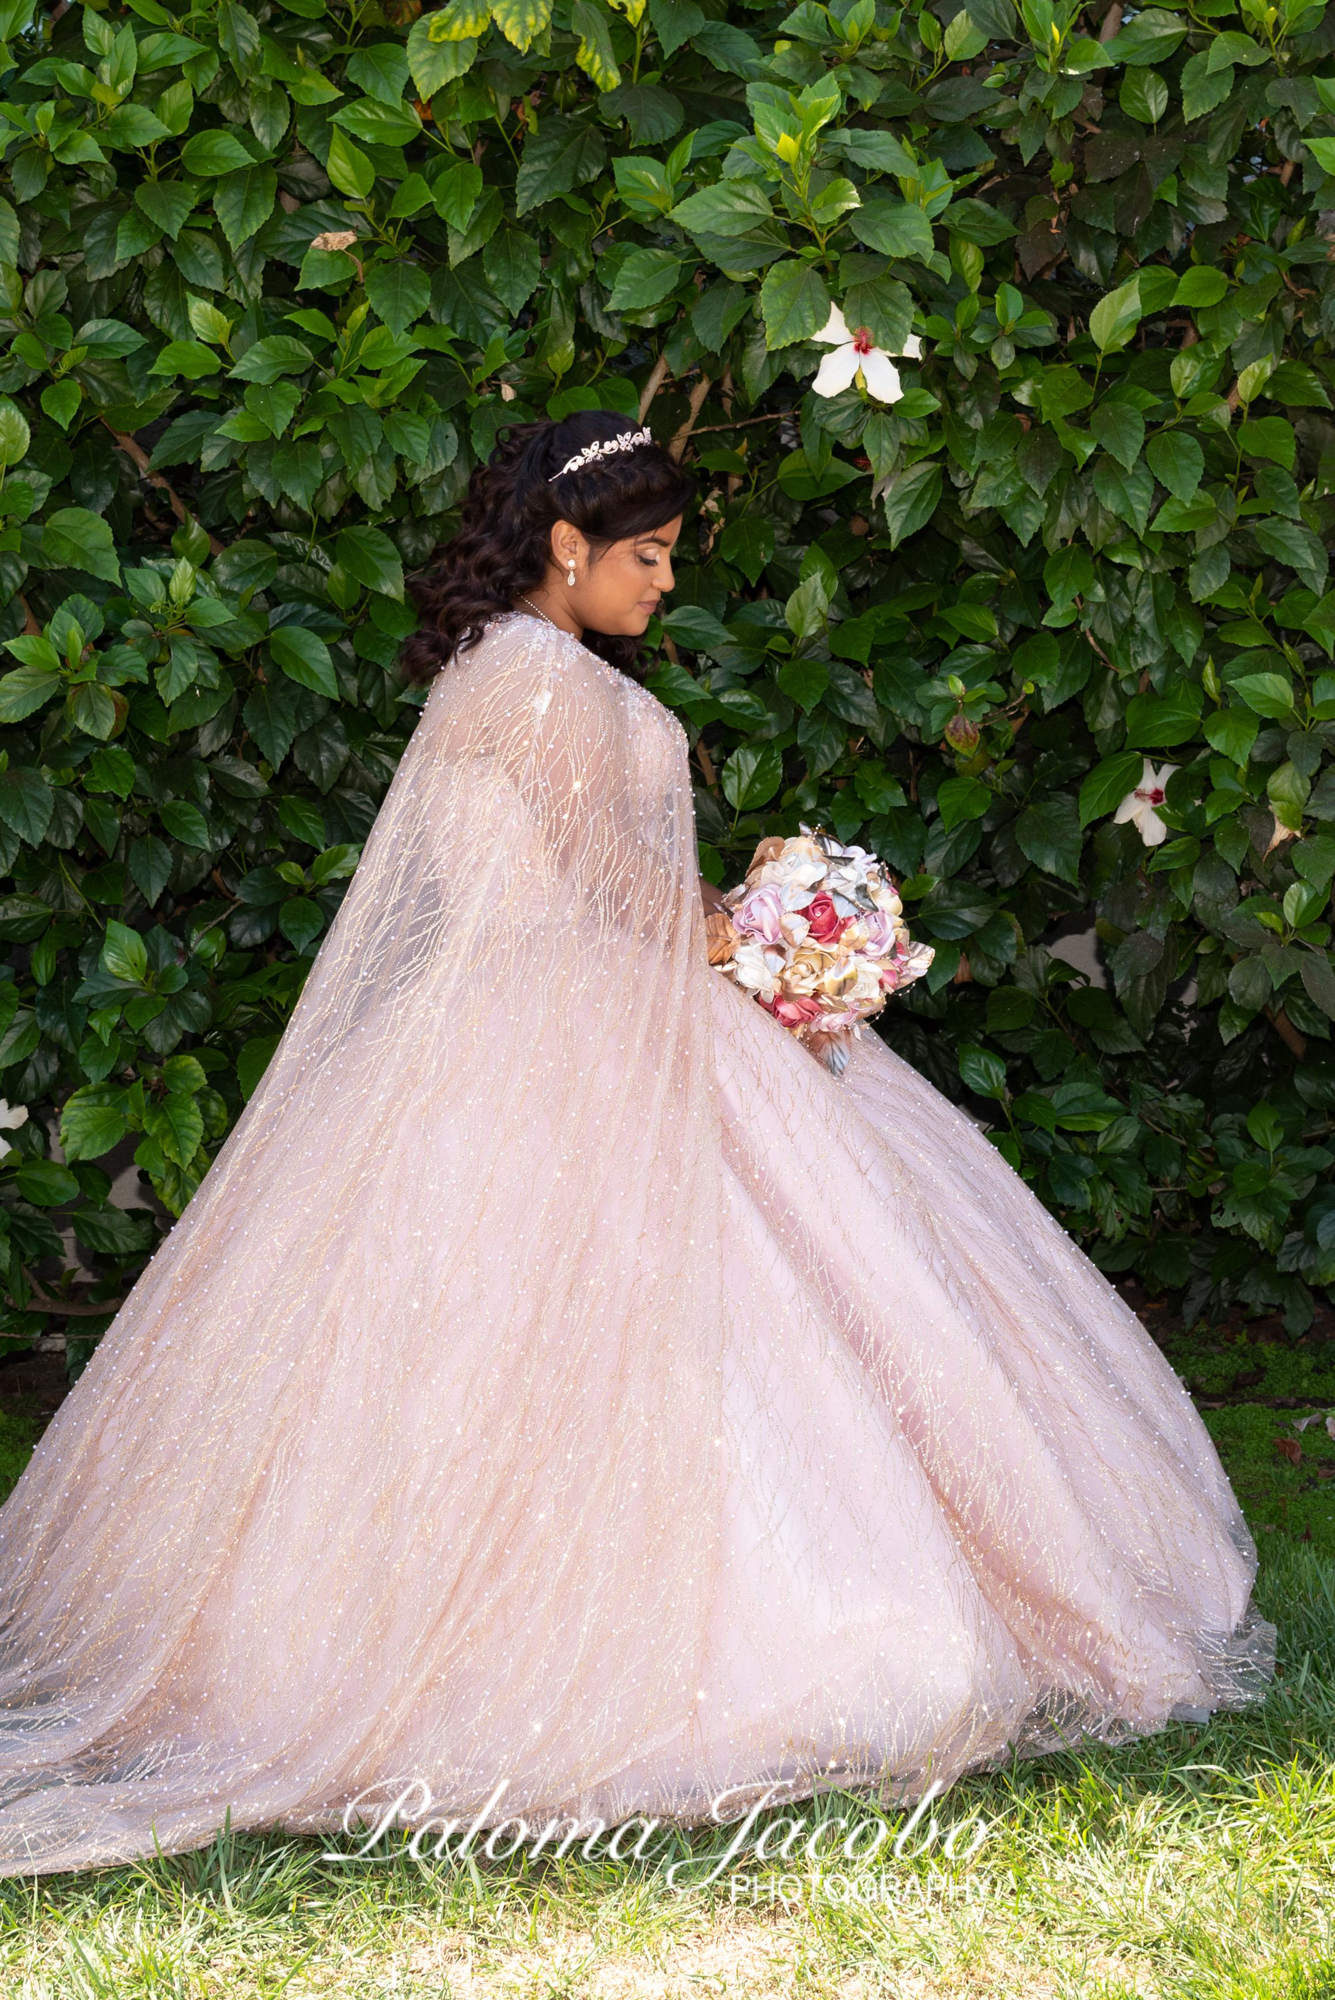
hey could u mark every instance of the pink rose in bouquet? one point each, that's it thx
(796, 1012)
(761, 915)
(881, 933)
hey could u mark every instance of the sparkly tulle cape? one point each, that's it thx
(561, 1383)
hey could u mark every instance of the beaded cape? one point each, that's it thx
(559, 1378)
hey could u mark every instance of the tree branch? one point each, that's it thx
(139, 457)
(43, 1302)
(698, 394)
(1288, 1034)
(657, 377)
(740, 423)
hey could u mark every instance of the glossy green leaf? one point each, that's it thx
(437, 62)
(895, 228)
(400, 293)
(1116, 317)
(92, 1121)
(371, 558)
(348, 167)
(752, 775)
(1108, 784)
(212, 153)
(911, 499)
(794, 302)
(1177, 461)
(522, 21)
(244, 201)
(305, 658)
(1266, 694)
(74, 538)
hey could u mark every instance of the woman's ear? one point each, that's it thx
(568, 545)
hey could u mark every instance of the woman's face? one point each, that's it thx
(616, 590)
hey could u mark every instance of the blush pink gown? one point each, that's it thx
(562, 1383)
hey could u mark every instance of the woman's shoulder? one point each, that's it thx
(517, 645)
(521, 660)
(509, 643)
(525, 665)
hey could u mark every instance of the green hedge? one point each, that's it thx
(274, 277)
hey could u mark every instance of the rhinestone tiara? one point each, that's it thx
(603, 449)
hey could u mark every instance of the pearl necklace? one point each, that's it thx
(538, 612)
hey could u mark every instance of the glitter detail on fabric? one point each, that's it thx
(561, 1378)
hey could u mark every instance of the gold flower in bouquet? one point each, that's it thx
(816, 934)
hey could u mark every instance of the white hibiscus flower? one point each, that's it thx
(856, 353)
(11, 1115)
(1141, 804)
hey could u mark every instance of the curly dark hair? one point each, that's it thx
(513, 502)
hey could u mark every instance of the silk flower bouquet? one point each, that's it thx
(816, 934)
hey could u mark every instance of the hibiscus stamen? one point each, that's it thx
(862, 341)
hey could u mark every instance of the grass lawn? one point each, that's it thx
(1198, 1864)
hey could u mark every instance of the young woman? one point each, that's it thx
(564, 1396)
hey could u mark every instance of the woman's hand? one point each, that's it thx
(720, 937)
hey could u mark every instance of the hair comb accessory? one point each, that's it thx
(604, 448)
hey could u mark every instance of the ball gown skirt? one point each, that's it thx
(562, 1383)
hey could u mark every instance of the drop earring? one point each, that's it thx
(570, 576)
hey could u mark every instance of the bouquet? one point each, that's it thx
(816, 934)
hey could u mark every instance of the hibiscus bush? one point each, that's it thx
(1001, 344)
